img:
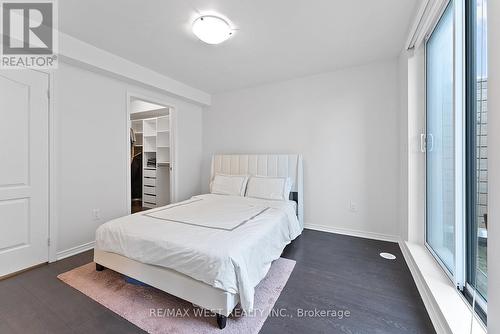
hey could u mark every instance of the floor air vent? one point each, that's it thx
(388, 256)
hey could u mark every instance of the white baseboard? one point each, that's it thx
(75, 250)
(354, 233)
(437, 317)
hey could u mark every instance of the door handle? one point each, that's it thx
(422, 142)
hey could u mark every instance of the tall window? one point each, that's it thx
(440, 232)
(456, 147)
(477, 153)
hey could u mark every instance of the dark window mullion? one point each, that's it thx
(471, 131)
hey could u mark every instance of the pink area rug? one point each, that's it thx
(158, 312)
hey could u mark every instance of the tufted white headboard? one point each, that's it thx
(284, 165)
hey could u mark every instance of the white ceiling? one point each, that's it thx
(276, 39)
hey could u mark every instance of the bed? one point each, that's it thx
(211, 250)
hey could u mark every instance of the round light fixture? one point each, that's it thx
(212, 29)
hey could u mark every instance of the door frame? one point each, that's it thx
(173, 143)
(53, 207)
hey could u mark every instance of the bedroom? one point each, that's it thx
(285, 153)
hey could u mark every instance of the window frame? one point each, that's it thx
(451, 275)
(464, 106)
(471, 86)
(471, 225)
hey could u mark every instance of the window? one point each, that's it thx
(477, 153)
(440, 158)
(456, 147)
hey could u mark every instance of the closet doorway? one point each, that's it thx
(151, 154)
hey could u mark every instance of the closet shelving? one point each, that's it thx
(149, 135)
(155, 135)
(163, 140)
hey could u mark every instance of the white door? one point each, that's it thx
(24, 171)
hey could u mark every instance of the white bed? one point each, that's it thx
(211, 250)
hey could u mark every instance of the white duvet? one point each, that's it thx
(227, 242)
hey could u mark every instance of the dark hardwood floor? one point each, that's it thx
(333, 272)
(137, 207)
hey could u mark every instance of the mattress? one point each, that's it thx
(228, 242)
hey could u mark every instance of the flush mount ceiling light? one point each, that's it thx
(212, 29)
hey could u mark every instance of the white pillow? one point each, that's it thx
(266, 187)
(229, 184)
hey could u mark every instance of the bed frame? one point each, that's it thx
(199, 293)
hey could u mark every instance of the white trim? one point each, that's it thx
(460, 144)
(174, 191)
(75, 250)
(53, 170)
(457, 311)
(417, 25)
(353, 233)
(427, 16)
(76, 52)
(430, 303)
(127, 162)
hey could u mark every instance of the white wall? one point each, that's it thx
(345, 123)
(91, 150)
(494, 167)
